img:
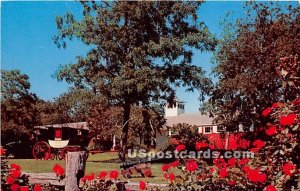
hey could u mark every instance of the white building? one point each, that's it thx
(174, 109)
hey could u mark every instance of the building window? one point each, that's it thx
(207, 129)
(181, 106)
(57, 134)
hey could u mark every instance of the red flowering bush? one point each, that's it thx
(276, 163)
(103, 181)
(12, 178)
(280, 154)
(275, 166)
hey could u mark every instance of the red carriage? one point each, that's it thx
(55, 140)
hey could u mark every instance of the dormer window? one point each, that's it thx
(207, 130)
(181, 106)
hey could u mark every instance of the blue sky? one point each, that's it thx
(27, 29)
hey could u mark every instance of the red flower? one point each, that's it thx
(246, 169)
(37, 187)
(24, 188)
(114, 174)
(15, 173)
(59, 171)
(201, 145)
(102, 175)
(219, 162)
(148, 173)
(15, 167)
(287, 167)
(88, 177)
(165, 167)
(275, 105)
(191, 166)
(244, 161)
(171, 176)
(271, 188)
(259, 143)
(271, 131)
(143, 185)
(14, 187)
(287, 120)
(252, 175)
(83, 179)
(223, 172)
(180, 148)
(10, 180)
(231, 162)
(166, 176)
(267, 111)
(175, 163)
(262, 178)
(2, 151)
(231, 183)
(211, 170)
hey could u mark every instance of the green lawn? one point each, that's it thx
(95, 163)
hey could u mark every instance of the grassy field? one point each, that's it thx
(95, 163)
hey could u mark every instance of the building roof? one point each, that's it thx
(78, 125)
(190, 118)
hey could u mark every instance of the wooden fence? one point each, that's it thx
(75, 169)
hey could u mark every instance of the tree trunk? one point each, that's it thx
(75, 169)
(124, 136)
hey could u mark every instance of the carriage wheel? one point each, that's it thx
(56, 154)
(68, 149)
(41, 150)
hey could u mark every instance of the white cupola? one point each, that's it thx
(174, 109)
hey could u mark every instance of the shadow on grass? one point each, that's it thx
(105, 161)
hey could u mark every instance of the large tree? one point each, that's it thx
(247, 61)
(140, 51)
(17, 105)
(18, 112)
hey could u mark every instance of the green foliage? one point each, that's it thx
(14, 85)
(187, 135)
(18, 112)
(247, 59)
(73, 106)
(106, 121)
(140, 51)
(76, 104)
(128, 38)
